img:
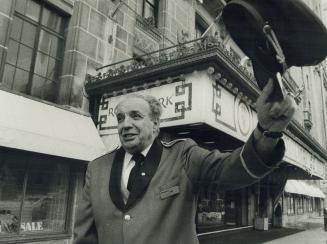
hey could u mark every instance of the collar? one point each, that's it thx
(128, 156)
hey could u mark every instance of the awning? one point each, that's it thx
(303, 188)
(35, 126)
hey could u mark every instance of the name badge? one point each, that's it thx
(169, 192)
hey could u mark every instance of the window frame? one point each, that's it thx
(199, 25)
(35, 49)
(154, 7)
(22, 237)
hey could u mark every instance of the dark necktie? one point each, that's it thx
(139, 160)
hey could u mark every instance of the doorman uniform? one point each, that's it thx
(162, 208)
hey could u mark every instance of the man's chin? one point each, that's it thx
(130, 146)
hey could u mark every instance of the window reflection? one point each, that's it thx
(20, 6)
(20, 80)
(8, 75)
(24, 57)
(33, 10)
(44, 42)
(51, 69)
(11, 189)
(28, 34)
(12, 52)
(45, 202)
(37, 88)
(16, 28)
(41, 64)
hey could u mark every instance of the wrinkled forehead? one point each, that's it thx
(132, 104)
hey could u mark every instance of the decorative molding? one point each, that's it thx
(307, 119)
(143, 86)
(302, 136)
(216, 108)
(196, 53)
(230, 86)
(147, 26)
(141, 43)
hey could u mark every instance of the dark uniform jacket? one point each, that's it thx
(161, 210)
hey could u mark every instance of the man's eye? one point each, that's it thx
(136, 116)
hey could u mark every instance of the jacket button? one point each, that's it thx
(127, 217)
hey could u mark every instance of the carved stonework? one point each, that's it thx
(150, 21)
(182, 36)
(143, 44)
(171, 55)
(307, 120)
(149, 26)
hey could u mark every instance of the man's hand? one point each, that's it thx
(274, 116)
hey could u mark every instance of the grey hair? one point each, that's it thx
(155, 105)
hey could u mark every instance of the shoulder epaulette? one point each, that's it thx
(172, 143)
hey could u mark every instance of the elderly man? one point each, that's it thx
(146, 191)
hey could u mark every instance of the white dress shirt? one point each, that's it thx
(128, 165)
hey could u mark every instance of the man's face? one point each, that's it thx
(135, 128)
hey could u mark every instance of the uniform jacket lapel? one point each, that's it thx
(151, 164)
(115, 179)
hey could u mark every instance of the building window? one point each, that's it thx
(148, 9)
(35, 50)
(34, 193)
(200, 26)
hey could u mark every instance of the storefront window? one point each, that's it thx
(305, 204)
(290, 205)
(211, 211)
(299, 205)
(310, 205)
(220, 209)
(33, 195)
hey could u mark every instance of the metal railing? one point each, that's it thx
(168, 54)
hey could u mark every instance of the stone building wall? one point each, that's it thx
(88, 46)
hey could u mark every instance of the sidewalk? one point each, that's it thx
(312, 236)
(309, 232)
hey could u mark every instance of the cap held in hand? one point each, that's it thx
(275, 35)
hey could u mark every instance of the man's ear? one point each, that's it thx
(156, 123)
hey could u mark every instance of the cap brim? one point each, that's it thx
(301, 34)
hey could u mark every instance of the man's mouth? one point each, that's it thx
(129, 136)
